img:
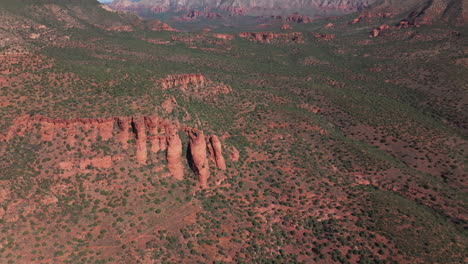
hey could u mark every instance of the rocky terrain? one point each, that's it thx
(239, 7)
(229, 133)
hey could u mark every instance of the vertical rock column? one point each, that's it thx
(199, 162)
(152, 125)
(217, 152)
(124, 124)
(174, 154)
(140, 134)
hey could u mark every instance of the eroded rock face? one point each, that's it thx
(268, 37)
(217, 152)
(296, 18)
(151, 123)
(377, 31)
(156, 25)
(224, 36)
(182, 81)
(162, 134)
(174, 155)
(286, 27)
(198, 159)
(139, 128)
(124, 125)
(196, 84)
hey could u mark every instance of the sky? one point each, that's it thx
(105, 1)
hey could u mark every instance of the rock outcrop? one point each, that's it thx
(124, 125)
(139, 128)
(217, 152)
(378, 31)
(269, 37)
(174, 155)
(224, 36)
(182, 81)
(300, 19)
(196, 84)
(156, 25)
(198, 159)
(162, 134)
(286, 26)
(151, 123)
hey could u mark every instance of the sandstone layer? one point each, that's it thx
(162, 134)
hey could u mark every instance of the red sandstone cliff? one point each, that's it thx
(151, 123)
(182, 80)
(268, 37)
(140, 135)
(199, 162)
(217, 152)
(124, 125)
(162, 134)
(195, 84)
(174, 154)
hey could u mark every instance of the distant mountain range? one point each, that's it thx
(256, 7)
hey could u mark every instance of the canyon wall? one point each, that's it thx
(163, 135)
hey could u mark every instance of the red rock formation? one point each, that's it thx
(106, 129)
(199, 162)
(329, 25)
(198, 84)
(234, 154)
(156, 25)
(299, 19)
(174, 154)
(182, 80)
(151, 123)
(122, 28)
(356, 20)
(47, 131)
(267, 37)
(224, 36)
(169, 104)
(286, 27)
(185, 39)
(140, 135)
(377, 31)
(162, 143)
(18, 128)
(163, 135)
(124, 125)
(217, 152)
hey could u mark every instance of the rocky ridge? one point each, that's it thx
(269, 37)
(163, 135)
(196, 83)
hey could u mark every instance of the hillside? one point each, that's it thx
(273, 139)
